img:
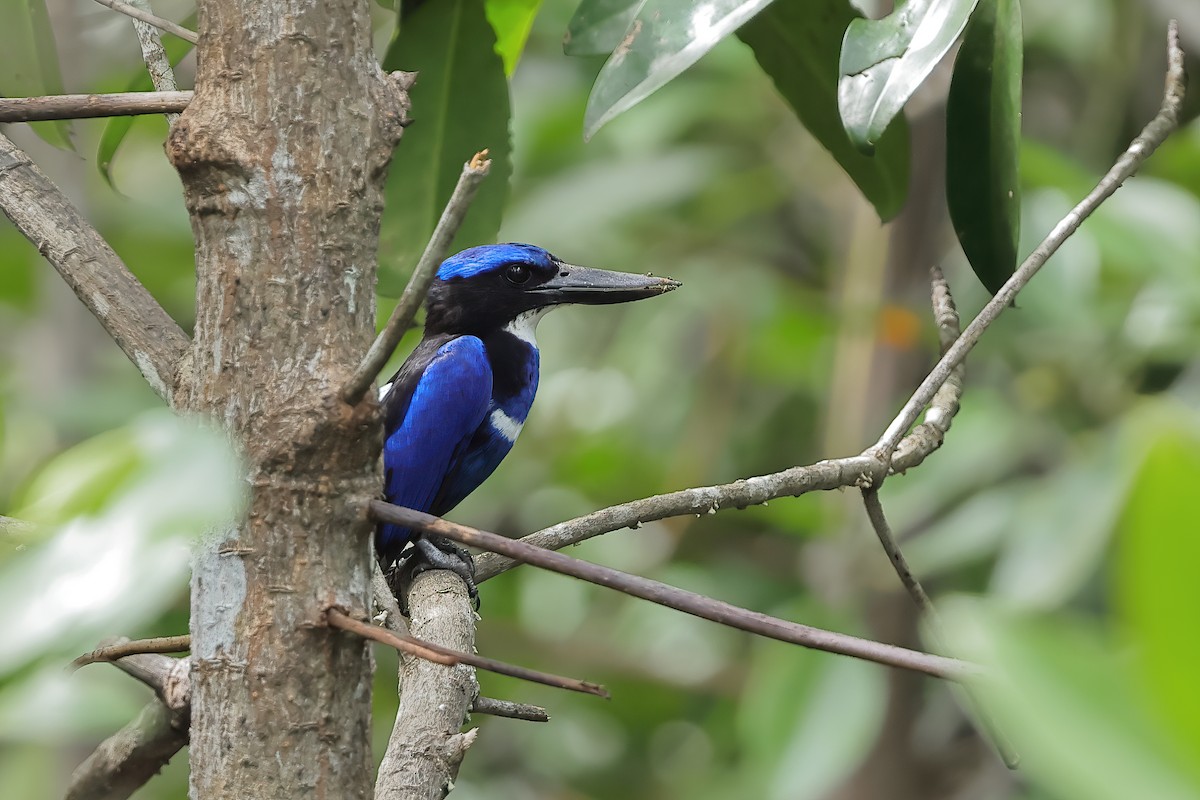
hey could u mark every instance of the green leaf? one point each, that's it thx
(116, 128)
(460, 106)
(512, 21)
(121, 511)
(796, 43)
(1158, 594)
(665, 38)
(1072, 706)
(884, 61)
(983, 136)
(31, 59)
(598, 26)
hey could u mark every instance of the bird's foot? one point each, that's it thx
(432, 552)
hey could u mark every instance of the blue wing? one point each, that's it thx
(449, 403)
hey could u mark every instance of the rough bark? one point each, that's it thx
(426, 747)
(282, 154)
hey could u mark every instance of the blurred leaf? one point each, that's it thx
(665, 38)
(1158, 593)
(116, 128)
(983, 137)
(460, 106)
(598, 26)
(885, 60)
(31, 57)
(126, 505)
(511, 20)
(796, 43)
(806, 719)
(1070, 705)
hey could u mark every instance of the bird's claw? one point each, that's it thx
(432, 552)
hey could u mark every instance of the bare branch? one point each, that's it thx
(158, 64)
(447, 656)
(688, 602)
(509, 709)
(86, 106)
(127, 759)
(426, 746)
(148, 18)
(163, 644)
(890, 454)
(1158, 129)
(129, 313)
(473, 173)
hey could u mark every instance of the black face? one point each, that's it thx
(490, 286)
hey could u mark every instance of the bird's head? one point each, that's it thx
(485, 288)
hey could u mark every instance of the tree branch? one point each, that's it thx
(898, 454)
(473, 173)
(509, 709)
(86, 106)
(158, 64)
(148, 18)
(112, 652)
(128, 312)
(679, 599)
(127, 759)
(1153, 135)
(426, 746)
(449, 656)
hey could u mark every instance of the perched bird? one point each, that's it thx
(455, 407)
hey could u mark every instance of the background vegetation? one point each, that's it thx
(1057, 524)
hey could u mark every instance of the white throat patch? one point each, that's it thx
(525, 325)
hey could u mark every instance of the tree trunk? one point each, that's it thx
(282, 155)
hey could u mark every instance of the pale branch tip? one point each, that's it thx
(679, 599)
(431, 651)
(1153, 135)
(142, 15)
(436, 250)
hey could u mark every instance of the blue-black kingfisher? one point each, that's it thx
(455, 407)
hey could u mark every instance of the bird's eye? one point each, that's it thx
(517, 274)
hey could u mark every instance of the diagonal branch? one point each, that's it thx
(126, 760)
(148, 18)
(128, 312)
(1153, 135)
(446, 656)
(158, 64)
(679, 599)
(899, 454)
(473, 173)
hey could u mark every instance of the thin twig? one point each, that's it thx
(127, 311)
(473, 173)
(430, 651)
(1155, 132)
(509, 709)
(890, 454)
(87, 106)
(679, 599)
(158, 64)
(150, 19)
(162, 644)
(986, 724)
